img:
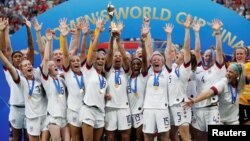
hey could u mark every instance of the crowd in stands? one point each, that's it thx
(16, 10)
(242, 7)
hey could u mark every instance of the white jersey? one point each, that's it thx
(177, 83)
(16, 95)
(228, 101)
(192, 86)
(95, 88)
(156, 97)
(117, 81)
(34, 95)
(75, 94)
(136, 93)
(206, 78)
(55, 91)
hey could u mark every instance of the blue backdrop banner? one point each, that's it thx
(131, 13)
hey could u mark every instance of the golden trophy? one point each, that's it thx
(111, 10)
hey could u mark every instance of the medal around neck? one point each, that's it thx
(81, 91)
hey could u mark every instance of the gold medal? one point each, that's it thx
(29, 97)
(60, 95)
(156, 88)
(116, 85)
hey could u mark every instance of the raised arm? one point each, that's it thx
(216, 25)
(144, 35)
(120, 48)
(197, 50)
(30, 52)
(84, 25)
(148, 41)
(109, 57)
(186, 47)
(48, 46)
(63, 27)
(99, 28)
(9, 66)
(75, 39)
(168, 29)
(6, 45)
(40, 43)
(204, 95)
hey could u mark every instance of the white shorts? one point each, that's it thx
(156, 120)
(180, 115)
(137, 120)
(117, 119)
(17, 117)
(36, 125)
(73, 118)
(204, 117)
(60, 121)
(92, 116)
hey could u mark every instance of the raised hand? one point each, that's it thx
(144, 32)
(216, 24)
(196, 26)
(100, 24)
(49, 34)
(36, 25)
(119, 26)
(27, 22)
(168, 28)
(188, 21)
(84, 26)
(146, 20)
(63, 27)
(3, 23)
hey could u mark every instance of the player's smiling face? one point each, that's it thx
(117, 60)
(53, 68)
(100, 61)
(75, 63)
(157, 62)
(136, 65)
(57, 57)
(27, 69)
(240, 55)
(231, 74)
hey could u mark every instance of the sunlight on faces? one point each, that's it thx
(157, 61)
(179, 57)
(231, 74)
(53, 71)
(240, 55)
(75, 63)
(57, 57)
(27, 68)
(99, 61)
(117, 59)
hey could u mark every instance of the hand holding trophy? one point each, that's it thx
(111, 10)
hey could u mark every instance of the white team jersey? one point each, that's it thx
(75, 95)
(55, 91)
(118, 92)
(136, 99)
(156, 97)
(177, 83)
(192, 86)
(16, 95)
(205, 79)
(36, 102)
(95, 88)
(229, 109)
